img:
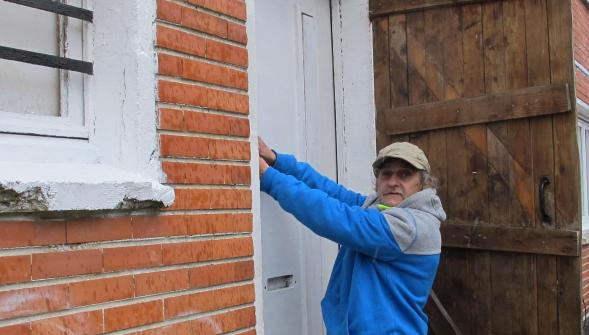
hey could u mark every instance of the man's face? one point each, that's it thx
(396, 181)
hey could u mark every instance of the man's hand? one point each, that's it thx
(263, 166)
(265, 152)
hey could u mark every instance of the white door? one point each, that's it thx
(296, 115)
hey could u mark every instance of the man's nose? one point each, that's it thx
(394, 180)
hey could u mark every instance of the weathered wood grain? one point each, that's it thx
(543, 160)
(511, 239)
(382, 78)
(566, 158)
(517, 104)
(392, 7)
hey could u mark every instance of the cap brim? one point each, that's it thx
(378, 162)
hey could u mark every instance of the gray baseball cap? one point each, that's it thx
(406, 151)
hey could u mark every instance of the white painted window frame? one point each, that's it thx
(582, 128)
(71, 122)
(116, 166)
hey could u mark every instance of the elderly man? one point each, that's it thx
(390, 240)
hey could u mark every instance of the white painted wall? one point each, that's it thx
(354, 89)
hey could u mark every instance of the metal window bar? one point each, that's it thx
(45, 60)
(57, 8)
(36, 58)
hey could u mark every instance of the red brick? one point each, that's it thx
(237, 32)
(184, 146)
(30, 301)
(206, 174)
(226, 53)
(174, 39)
(99, 229)
(67, 263)
(248, 332)
(126, 258)
(229, 149)
(172, 119)
(182, 93)
(31, 233)
(159, 282)
(86, 323)
(211, 275)
(199, 251)
(235, 8)
(169, 65)
(132, 315)
(15, 269)
(208, 301)
(219, 223)
(214, 74)
(24, 329)
(207, 123)
(169, 11)
(227, 322)
(204, 22)
(240, 127)
(175, 329)
(212, 199)
(92, 292)
(158, 226)
(227, 101)
(199, 147)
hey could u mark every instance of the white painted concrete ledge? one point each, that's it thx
(30, 187)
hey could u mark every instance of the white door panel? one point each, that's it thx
(295, 115)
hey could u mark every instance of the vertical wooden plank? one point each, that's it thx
(499, 195)
(520, 181)
(417, 87)
(398, 67)
(543, 158)
(566, 165)
(435, 89)
(382, 79)
(437, 139)
(494, 49)
(565, 139)
(522, 288)
(398, 60)
(458, 296)
(416, 58)
(477, 197)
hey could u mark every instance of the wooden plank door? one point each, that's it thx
(486, 88)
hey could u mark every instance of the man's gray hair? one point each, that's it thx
(427, 180)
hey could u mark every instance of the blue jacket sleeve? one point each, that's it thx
(304, 172)
(364, 230)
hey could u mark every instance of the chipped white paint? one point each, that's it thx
(119, 165)
(354, 89)
(61, 190)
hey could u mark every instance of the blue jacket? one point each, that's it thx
(387, 262)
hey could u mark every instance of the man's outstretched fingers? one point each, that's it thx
(265, 152)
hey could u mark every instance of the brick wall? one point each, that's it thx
(187, 269)
(585, 275)
(581, 42)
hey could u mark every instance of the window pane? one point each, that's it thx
(27, 88)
